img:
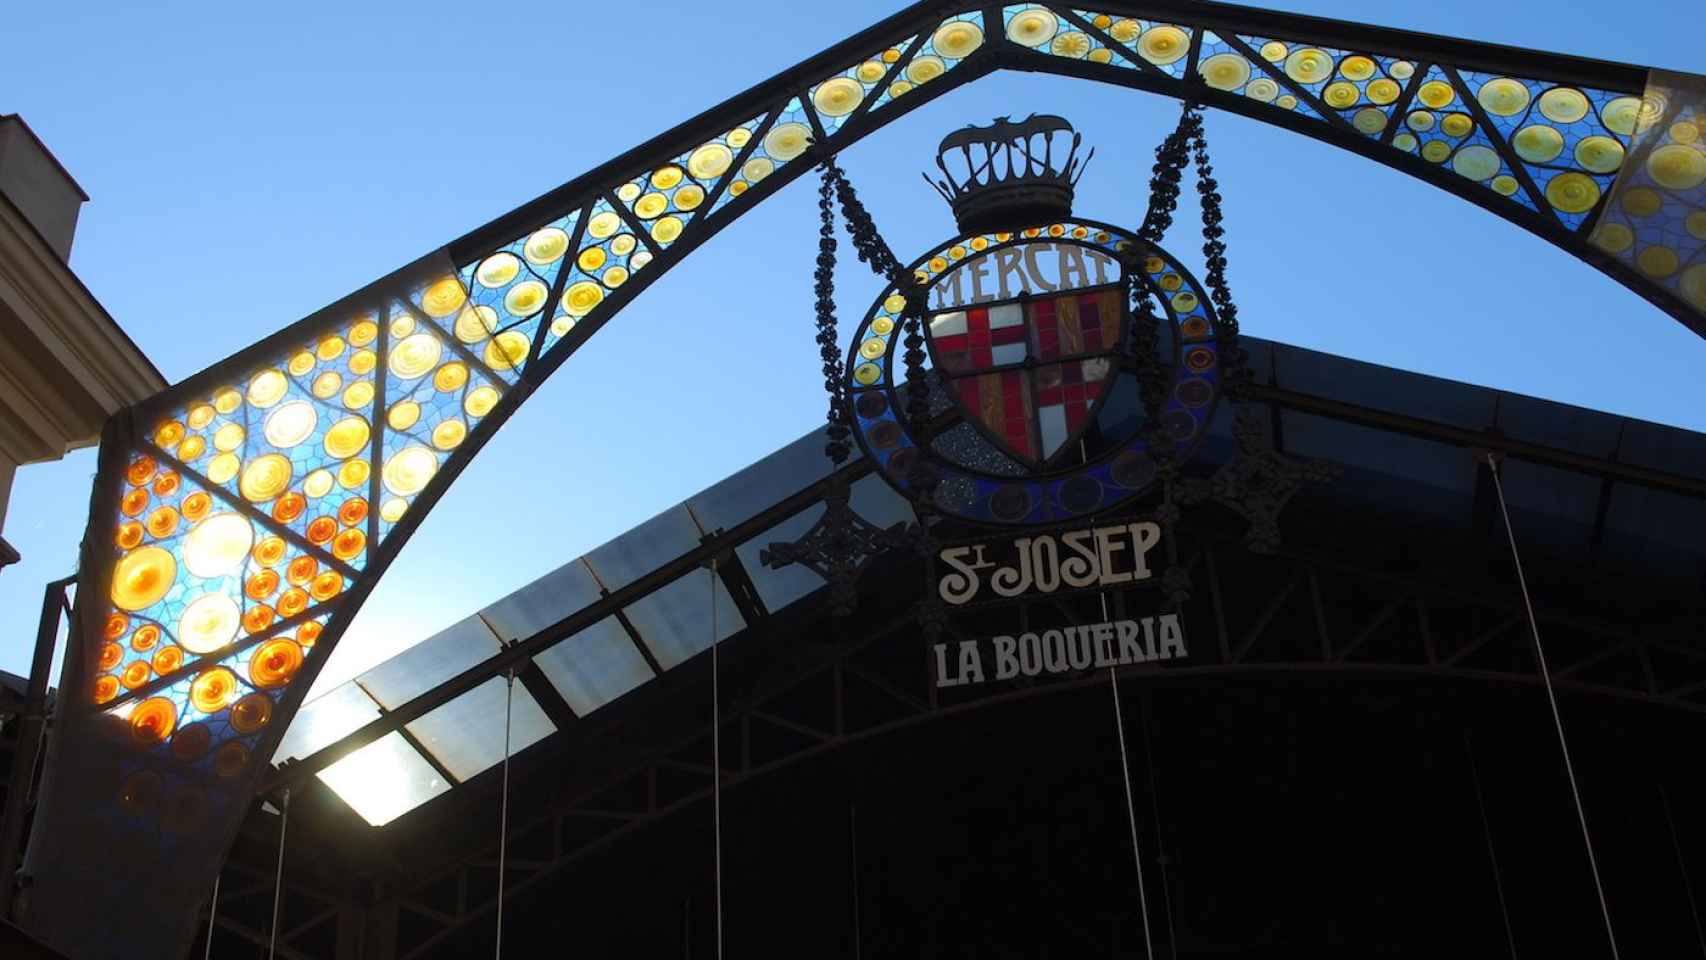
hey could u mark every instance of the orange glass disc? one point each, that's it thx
(129, 535)
(141, 471)
(169, 434)
(136, 673)
(167, 484)
(301, 570)
(307, 634)
(261, 585)
(145, 638)
(141, 792)
(230, 759)
(192, 742)
(353, 511)
(111, 654)
(196, 506)
(116, 625)
(134, 502)
(106, 688)
(257, 618)
(275, 663)
(251, 713)
(349, 544)
(168, 660)
(163, 522)
(152, 720)
(321, 530)
(289, 507)
(213, 690)
(269, 551)
(327, 585)
(294, 601)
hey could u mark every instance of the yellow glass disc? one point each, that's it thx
(449, 434)
(227, 400)
(1286, 102)
(526, 298)
(329, 349)
(1538, 143)
(267, 388)
(894, 304)
(265, 477)
(882, 325)
(353, 474)
(1369, 120)
(603, 224)
(1101, 55)
(713, 159)
(474, 324)
(1163, 45)
(1457, 124)
(1572, 192)
(836, 97)
(1564, 105)
(228, 437)
(1641, 202)
(1405, 142)
(1033, 28)
(301, 363)
(738, 137)
(871, 71)
(363, 361)
(1356, 68)
(317, 484)
(591, 259)
(1677, 166)
(1692, 283)
(666, 176)
(208, 623)
(290, 424)
(1262, 89)
(480, 400)
(615, 277)
(867, 373)
(1505, 185)
(409, 470)
(1383, 91)
(1420, 121)
(1658, 262)
(1436, 151)
(1273, 51)
(414, 356)
(1341, 94)
(213, 690)
(443, 297)
(347, 437)
(666, 229)
(925, 68)
(1402, 70)
(651, 205)
(223, 467)
(581, 297)
(1309, 65)
(363, 332)
(757, 168)
(1503, 97)
(1684, 132)
(957, 39)
(1225, 71)
(200, 416)
(623, 245)
(142, 577)
(561, 325)
(689, 197)
(450, 377)
(1436, 94)
(217, 545)
(359, 395)
(1599, 154)
(1696, 225)
(402, 325)
(545, 246)
(627, 192)
(872, 349)
(787, 141)
(497, 270)
(507, 349)
(1613, 237)
(403, 415)
(392, 510)
(191, 449)
(1476, 162)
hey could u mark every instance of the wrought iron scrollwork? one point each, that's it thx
(838, 546)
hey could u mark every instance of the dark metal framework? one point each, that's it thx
(594, 191)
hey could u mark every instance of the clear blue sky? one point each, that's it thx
(248, 164)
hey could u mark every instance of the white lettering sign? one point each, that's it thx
(1026, 268)
(1067, 650)
(1099, 557)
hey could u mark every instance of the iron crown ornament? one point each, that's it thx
(1007, 174)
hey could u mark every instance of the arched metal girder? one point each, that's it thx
(239, 519)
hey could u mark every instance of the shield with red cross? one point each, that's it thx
(1031, 373)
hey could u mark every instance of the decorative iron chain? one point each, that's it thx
(828, 338)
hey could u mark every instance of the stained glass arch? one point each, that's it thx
(240, 518)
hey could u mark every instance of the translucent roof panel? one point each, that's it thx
(762, 485)
(778, 588)
(384, 780)
(430, 662)
(1377, 387)
(326, 719)
(675, 621)
(595, 666)
(1387, 469)
(543, 602)
(644, 548)
(466, 735)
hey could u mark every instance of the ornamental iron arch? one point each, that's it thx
(240, 518)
